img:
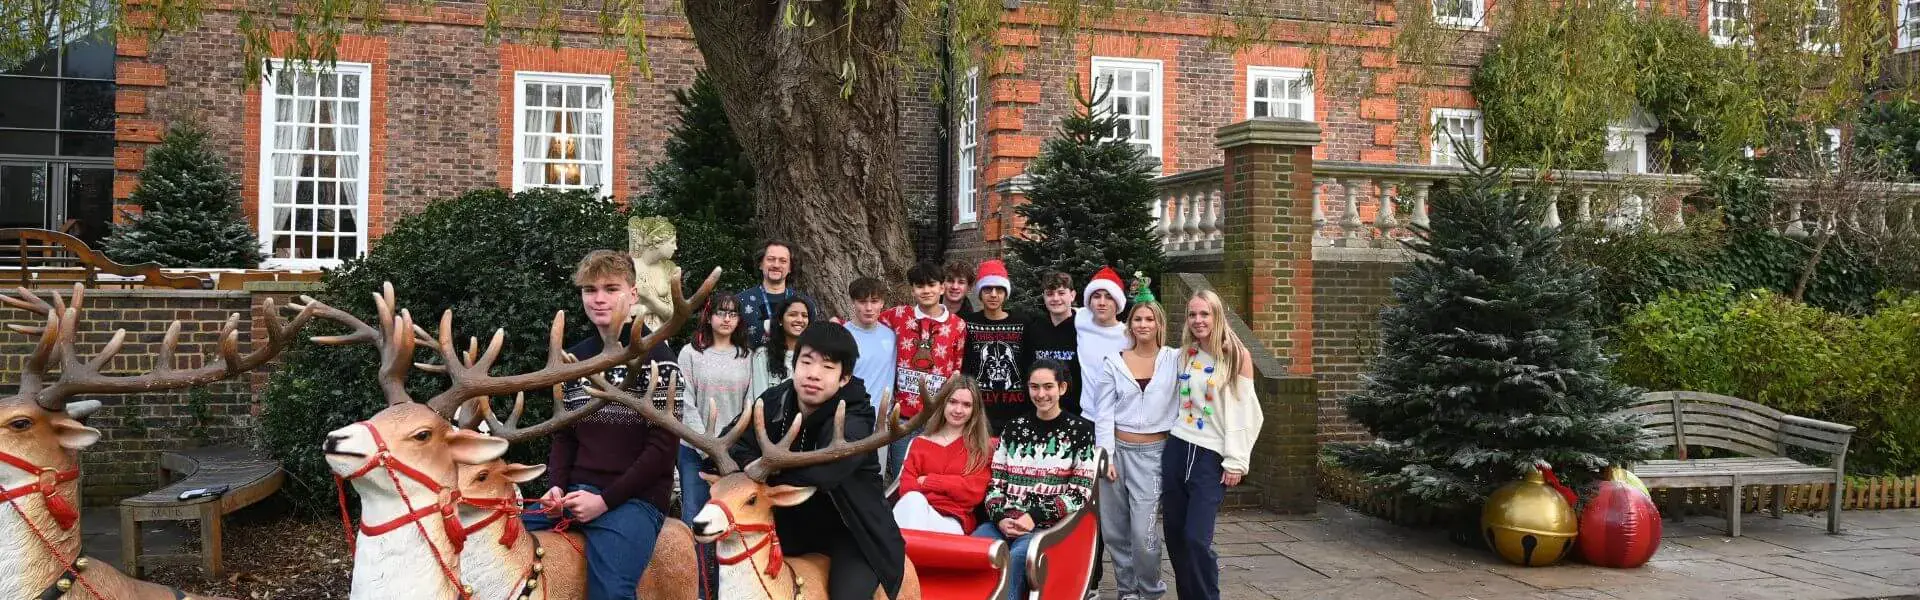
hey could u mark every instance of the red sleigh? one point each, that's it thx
(1059, 564)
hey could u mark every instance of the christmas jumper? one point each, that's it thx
(615, 449)
(1045, 339)
(1042, 469)
(929, 351)
(1216, 414)
(993, 358)
(949, 487)
(756, 310)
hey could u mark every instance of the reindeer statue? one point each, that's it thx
(43, 435)
(503, 560)
(403, 460)
(740, 524)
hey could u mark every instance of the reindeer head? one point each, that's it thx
(41, 431)
(491, 486)
(741, 499)
(418, 442)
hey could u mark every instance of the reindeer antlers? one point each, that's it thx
(715, 446)
(777, 457)
(58, 336)
(395, 338)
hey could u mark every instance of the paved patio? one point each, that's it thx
(1340, 554)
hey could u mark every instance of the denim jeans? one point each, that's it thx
(1016, 558)
(693, 489)
(1190, 497)
(619, 544)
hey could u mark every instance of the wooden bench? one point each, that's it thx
(250, 477)
(1761, 435)
(42, 258)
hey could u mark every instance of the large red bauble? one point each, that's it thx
(1620, 527)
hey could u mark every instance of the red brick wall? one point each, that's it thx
(1347, 299)
(137, 427)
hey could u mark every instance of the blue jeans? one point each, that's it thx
(619, 544)
(1016, 558)
(693, 489)
(1190, 497)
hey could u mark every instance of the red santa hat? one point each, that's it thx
(1106, 279)
(992, 273)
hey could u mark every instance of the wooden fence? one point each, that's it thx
(1862, 493)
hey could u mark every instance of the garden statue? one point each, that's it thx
(651, 241)
(404, 460)
(41, 455)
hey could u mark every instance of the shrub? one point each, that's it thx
(499, 260)
(705, 187)
(1860, 371)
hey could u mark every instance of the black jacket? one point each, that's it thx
(848, 487)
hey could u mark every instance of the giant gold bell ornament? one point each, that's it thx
(1529, 523)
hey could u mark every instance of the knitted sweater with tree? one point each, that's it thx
(1043, 469)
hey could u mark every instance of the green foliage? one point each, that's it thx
(190, 210)
(449, 256)
(1890, 129)
(1860, 371)
(705, 187)
(1091, 205)
(1487, 360)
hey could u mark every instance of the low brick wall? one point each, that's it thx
(136, 428)
(1348, 294)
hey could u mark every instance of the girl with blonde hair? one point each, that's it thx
(946, 471)
(1211, 449)
(1134, 415)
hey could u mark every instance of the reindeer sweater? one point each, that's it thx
(1043, 469)
(615, 449)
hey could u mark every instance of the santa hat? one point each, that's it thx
(993, 273)
(1105, 279)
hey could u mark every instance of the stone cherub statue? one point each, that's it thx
(651, 242)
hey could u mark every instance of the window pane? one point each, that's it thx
(28, 103)
(86, 105)
(594, 97)
(1260, 88)
(303, 84)
(86, 144)
(350, 85)
(573, 96)
(1260, 109)
(553, 96)
(532, 95)
(90, 57)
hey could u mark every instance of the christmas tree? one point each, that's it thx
(1090, 204)
(705, 187)
(1487, 361)
(190, 210)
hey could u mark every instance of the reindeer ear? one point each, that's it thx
(789, 495)
(73, 435)
(82, 409)
(472, 447)
(710, 478)
(519, 473)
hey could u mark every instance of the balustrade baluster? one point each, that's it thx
(1160, 221)
(1796, 227)
(1210, 235)
(1420, 202)
(1583, 213)
(1552, 219)
(1384, 221)
(1679, 215)
(1196, 205)
(1350, 222)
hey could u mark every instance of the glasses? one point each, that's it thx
(726, 314)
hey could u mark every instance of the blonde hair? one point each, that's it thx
(1222, 344)
(1159, 320)
(974, 431)
(604, 264)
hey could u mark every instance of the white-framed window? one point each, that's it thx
(1909, 24)
(1727, 22)
(314, 147)
(967, 117)
(1279, 92)
(1459, 13)
(1132, 89)
(1830, 148)
(1626, 150)
(1822, 22)
(562, 131)
(1456, 126)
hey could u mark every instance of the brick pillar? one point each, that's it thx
(1268, 267)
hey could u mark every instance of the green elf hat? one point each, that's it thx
(1141, 290)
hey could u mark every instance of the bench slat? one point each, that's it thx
(1733, 441)
(1693, 416)
(1686, 397)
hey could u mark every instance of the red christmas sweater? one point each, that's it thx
(930, 350)
(951, 490)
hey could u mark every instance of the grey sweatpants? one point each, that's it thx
(1129, 514)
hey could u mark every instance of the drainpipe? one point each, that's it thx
(943, 188)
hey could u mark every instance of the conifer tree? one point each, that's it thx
(189, 210)
(705, 187)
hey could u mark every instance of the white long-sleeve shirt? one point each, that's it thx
(1092, 345)
(1127, 406)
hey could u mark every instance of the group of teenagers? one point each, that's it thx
(1028, 406)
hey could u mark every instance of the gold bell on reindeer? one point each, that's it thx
(1529, 523)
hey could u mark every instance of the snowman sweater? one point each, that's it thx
(1042, 469)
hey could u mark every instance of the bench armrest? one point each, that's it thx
(1819, 424)
(1817, 435)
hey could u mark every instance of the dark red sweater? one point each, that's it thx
(951, 490)
(615, 449)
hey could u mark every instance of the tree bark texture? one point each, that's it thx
(828, 167)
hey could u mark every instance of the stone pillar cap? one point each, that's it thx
(1268, 130)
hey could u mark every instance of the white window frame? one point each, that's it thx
(269, 111)
(1830, 145)
(1156, 98)
(605, 164)
(1628, 139)
(1476, 21)
(1738, 30)
(1438, 148)
(1281, 75)
(1909, 24)
(967, 155)
(1812, 28)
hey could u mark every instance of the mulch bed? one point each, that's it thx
(285, 558)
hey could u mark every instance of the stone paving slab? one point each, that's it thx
(1339, 554)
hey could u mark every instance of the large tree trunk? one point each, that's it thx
(827, 166)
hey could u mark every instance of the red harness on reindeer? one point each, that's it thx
(64, 513)
(446, 502)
